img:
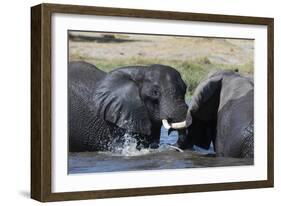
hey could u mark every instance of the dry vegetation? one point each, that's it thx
(193, 57)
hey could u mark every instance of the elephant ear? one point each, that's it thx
(206, 99)
(117, 100)
(203, 109)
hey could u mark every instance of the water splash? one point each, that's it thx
(128, 147)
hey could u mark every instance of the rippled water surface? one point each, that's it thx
(165, 157)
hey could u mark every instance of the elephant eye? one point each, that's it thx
(155, 93)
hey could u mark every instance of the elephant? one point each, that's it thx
(105, 108)
(221, 112)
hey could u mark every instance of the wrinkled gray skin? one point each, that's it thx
(222, 113)
(103, 107)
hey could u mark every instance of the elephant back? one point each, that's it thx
(236, 117)
(84, 74)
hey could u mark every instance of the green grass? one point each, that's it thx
(193, 57)
(192, 71)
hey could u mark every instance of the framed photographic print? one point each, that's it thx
(130, 102)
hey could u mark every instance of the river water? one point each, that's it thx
(128, 158)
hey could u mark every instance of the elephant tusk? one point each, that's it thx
(176, 148)
(178, 125)
(166, 124)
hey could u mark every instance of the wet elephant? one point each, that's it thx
(135, 101)
(221, 112)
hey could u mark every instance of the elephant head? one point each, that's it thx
(202, 115)
(220, 112)
(138, 99)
